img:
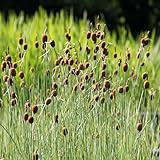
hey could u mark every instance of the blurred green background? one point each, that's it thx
(138, 15)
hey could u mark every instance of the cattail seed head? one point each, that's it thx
(146, 84)
(13, 94)
(34, 109)
(21, 74)
(30, 119)
(88, 35)
(139, 126)
(12, 72)
(14, 65)
(127, 88)
(105, 51)
(107, 84)
(4, 65)
(145, 75)
(8, 58)
(20, 41)
(44, 38)
(94, 38)
(120, 89)
(25, 116)
(25, 46)
(54, 85)
(52, 43)
(147, 54)
(13, 101)
(5, 78)
(48, 101)
(54, 93)
(36, 44)
(145, 41)
(103, 43)
(125, 67)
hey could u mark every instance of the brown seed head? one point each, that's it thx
(105, 51)
(94, 38)
(30, 119)
(88, 35)
(14, 65)
(13, 94)
(21, 74)
(127, 88)
(35, 156)
(13, 101)
(5, 78)
(68, 37)
(103, 43)
(146, 84)
(145, 75)
(54, 93)
(36, 44)
(12, 72)
(125, 67)
(8, 58)
(34, 109)
(52, 43)
(120, 89)
(145, 41)
(20, 41)
(48, 101)
(25, 116)
(106, 84)
(25, 46)
(139, 126)
(44, 38)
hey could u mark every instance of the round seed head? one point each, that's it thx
(48, 101)
(120, 89)
(34, 109)
(77, 72)
(25, 46)
(145, 41)
(105, 51)
(88, 35)
(139, 126)
(25, 116)
(75, 88)
(115, 55)
(14, 65)
(125, 67)
(4, 65)
(98, 34)
(36, 44)
(96, 98)
(13, 94)
(82, 87)
(21, 74)
(103, 44)
(145, 75)
(30, 119)
(20, 41)
(147, 54)
(44, 38)
(52, 43)
(107, 84)
(8, 58)
(127, 88)
(146, 84)
(94, 38)
(13, 101)
(54, 85)
(54, 93)
(5, 78)
(102, 100)
(112, 95)
(12, 72)
(68, 37)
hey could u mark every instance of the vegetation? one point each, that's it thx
(71, 90)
